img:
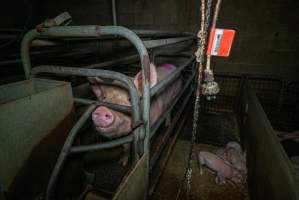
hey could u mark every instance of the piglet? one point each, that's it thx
(233, 154)
(222, 153)
(224, 171)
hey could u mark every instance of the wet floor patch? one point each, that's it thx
(203, 186)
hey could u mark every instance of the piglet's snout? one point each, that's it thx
(102, 117)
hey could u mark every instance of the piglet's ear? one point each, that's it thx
(153, 78)
(96, 86)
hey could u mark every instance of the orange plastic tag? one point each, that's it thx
(220, 42)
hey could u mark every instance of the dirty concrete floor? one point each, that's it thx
(203, 186)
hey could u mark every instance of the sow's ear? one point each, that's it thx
(96, 83)
(153, 78)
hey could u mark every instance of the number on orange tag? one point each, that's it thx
(220, 42)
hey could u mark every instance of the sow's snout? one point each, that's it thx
(102, 117)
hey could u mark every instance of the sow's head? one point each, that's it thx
(108, 122)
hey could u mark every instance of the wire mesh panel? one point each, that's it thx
(227, 97)
(289, 112)
(279, 100)
(269, 93)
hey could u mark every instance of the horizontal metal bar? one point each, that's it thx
(169, 79)
(162, 118)
(166, 135)
(132, 58)
(95, 73)
(101, 146)
(161, 33)
(45, 42)
(168, 152)
(181, 54)
(163, 42)
(120, 108)
(50, 194)
(97, 31)
(113, 62)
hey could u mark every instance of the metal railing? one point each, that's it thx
(141, 130)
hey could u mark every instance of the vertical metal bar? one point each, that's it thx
(114, 13)
(50, 193)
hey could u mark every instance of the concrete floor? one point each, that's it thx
(203, 187)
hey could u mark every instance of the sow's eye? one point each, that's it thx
(129, 98)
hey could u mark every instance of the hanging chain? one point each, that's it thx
(203, 32)
(210, 87)
(202, 37)
(207, 21)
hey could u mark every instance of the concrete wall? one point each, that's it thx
(166, 14)
(18, 13)
(267, 39)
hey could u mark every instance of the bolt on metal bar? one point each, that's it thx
(169, 79)
(120, 108)
(50, 193)
(101, 146)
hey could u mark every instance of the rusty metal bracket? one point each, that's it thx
(62, 19)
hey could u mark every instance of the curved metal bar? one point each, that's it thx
(101, 146)
(65, 150)
(120, 108)
(98, 73)
(96, 31)
(25, 46)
